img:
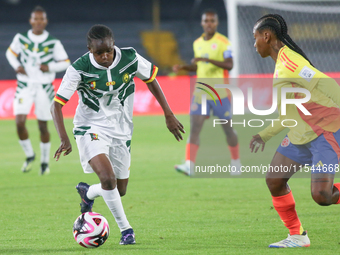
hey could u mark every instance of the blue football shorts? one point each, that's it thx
(222, 111)
(322, 154)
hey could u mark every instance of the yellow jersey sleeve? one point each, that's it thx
(271, 130)
(291, 71)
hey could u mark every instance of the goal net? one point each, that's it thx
(313, 25)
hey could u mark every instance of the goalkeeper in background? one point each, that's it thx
(213, 59)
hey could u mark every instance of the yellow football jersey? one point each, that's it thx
(217, 48)
(293, 70)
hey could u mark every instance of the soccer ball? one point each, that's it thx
(91, 230)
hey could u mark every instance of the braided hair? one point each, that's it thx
(278, 26)
(98, 32)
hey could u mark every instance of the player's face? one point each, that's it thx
(38, 22)
(103, 51)
(209, 23)
(261, 43)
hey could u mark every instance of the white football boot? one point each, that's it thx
(185, 168)
(235, 167)
(293, 241)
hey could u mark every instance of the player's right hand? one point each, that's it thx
(176, 68)
(64, 146)
(21, 70)
(255, 143)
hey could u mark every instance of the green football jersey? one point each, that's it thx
(35, 50)
(106, 94)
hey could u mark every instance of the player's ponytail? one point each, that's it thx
(98, 32)
(278, 25)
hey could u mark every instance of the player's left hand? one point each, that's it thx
(255, 143)
(174, 126)
(44, 68)
(66, 146)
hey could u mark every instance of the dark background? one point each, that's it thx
(69, 21)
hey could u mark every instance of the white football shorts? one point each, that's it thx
(117, 151)
(39, 94)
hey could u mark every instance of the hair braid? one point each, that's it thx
(278, 25)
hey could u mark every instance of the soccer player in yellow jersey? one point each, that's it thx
(313, 141)
(213, 59)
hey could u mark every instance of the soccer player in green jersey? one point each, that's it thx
(103, 78)
(213, 59)
(36, 56)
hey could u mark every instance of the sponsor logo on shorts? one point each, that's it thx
(94, 136)
(285, 142)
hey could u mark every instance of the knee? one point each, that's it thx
(20, 125)
(122, 192)
(276, 185)
(322, 198)
(229, 131)
(43, 129)
(108, 181)
(194, 132)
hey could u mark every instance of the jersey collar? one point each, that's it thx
(37, 38)
(114, 63)
(280, 52)
(210, 38)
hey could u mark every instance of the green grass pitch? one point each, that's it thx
(170, 213)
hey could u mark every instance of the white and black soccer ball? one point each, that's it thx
(91, 230)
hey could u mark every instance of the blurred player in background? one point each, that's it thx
(103, 125)
(36, 56)
(313, 141)
(213, 59)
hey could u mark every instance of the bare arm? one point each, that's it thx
(58, 120)
(190, 68)
(174, 126)
(226, 64)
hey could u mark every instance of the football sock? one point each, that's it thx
(234, 152)
(113, 201)
(45, 152)
(191, 152)
(27, 147)
(337, 185)
(285, 207)
(94, 191)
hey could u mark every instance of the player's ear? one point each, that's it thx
(267, 36)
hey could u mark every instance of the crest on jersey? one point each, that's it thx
(92, 85)
(94, 136)
(110, 83)
(46, 49)
(26, 46)
(126, 77)
(285, 142)
(214, 46)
